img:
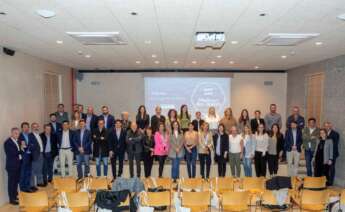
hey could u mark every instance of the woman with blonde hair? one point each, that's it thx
(248, 150)
(75, 121)
(228, 120)
(205, 147)
(212, 119)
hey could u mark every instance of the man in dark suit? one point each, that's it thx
(117, 147)
(82, 146)
(109, 120)
(297, 117)
(56, 127)
(13, 164)
(334, 135)
(61, 115)
(37, 156)
(134, 141)
(65, 145)
(292, 146)
(101, 147)
(25, 172)
(255, 122)
(197, 122)
(81, 111)
(90, 119)
(50, 151)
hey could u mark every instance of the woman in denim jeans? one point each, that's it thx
(191, 139)
(176, 151)
(248, 144)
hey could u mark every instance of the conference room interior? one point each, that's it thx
(238, 54)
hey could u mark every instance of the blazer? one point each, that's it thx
(205, 146)
(308, 140)
(22, 138)
(72, 137)
(85, 141)
(149, 143)
(280, 143)
(100, 142)
(224, 145)
(134, 142)
(196, 125)
(61, 118)
(161, 146)
(289, 140)
(300, 121)
(335, 138)
(58, 128)
(254, 124)
(155, 122)
(110, 121)
(13, 155)
(176, 143)
(142, 123)
(327, 150)
(93, 121)
(53, 143)
(34, 147)
(117, 145)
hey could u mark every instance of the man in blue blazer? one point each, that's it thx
(91, 119)
(65, 145)
(82, 146)
(109, 120)
(292, 146)
(13, 164)
(56, 126)
(117, 147)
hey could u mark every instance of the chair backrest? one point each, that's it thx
(165, 183)
(253, 183)
(154, 199)
(192, 183)
(236, 198)
(314, 182)
(268, 198)
(37, 201)
(196, 198)
(222, 184)
(315, 200)
(78, 201)
(99, 183)
(67, 184)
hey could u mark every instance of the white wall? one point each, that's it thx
(21, 96)
(125, 91)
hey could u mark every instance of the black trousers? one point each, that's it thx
(272, 164)
(221, 163)
(119, 157)
(331, 172)
(205, 160)
(137, 158)
(161, 161)
(13, 182)
(260, 164)
(321, 169)
(148, 162)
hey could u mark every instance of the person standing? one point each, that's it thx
(149, 145)
(37, 156)
(228, 120)
(117, 147)
(191, 139)
(101, 147)
(310, 136)
(292, 146)
(142, 118)
(184, 118)
(176, 150)
(109, 120)
(157, 119)
(261, 146)
(65, 143)
(235, 151)
(297, 117)
(126, 123)
(243, 120)
(61, 115)
(198, 121)
(212, 119)
(334, 135)
(134, 141)
(248, 150)
(273, 118)
(82, 146)
(50, 151)
(275, 149)
(76, 117)
(256, 121)
(205, 147)
(91, 119)
(13, 151)
(323, 156)
(56, 127)
(162, 145)
(81, 112)
(172, 116)
(25, 172)
(221, 145)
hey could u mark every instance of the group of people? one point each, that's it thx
(30, 152)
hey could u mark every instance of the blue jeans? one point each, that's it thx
(80, 159)
(105, 165)
(37, 171)
(25, 173)
(191, 162)
(175, 168)
(48, 166)
(247, 166)
(308, 154)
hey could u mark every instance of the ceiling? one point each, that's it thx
(169, 26)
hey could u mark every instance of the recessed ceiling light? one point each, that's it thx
(283, 56)
(153, 56)
(147, 42)
(3, 13)
(59, 42)
(175, 62)
(87, 56)
(213, 62)
(318, 43)
(194, 62)
(46, 13)
(262, 14)
(341, 17)
(234, 42)
(219, 56)
(231, 62)
(134, 13)
(137, 62)
(256, 67)
(157, 62)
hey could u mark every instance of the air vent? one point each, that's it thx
(98, 38)
(286, 39)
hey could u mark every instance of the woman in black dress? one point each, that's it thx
(323, 155)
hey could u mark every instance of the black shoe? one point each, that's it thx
(50, 181)
(27, 190)
(42, 185)
(14, 202)
(34, 188)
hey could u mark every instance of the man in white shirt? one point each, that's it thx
(65, 141)
(37, 156)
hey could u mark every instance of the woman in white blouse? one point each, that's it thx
(261, 146)
(212, 119)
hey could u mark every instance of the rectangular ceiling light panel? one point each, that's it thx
(98, 38)
(286, 39)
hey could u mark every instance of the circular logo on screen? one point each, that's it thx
(207, 94)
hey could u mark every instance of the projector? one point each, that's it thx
(213, 40)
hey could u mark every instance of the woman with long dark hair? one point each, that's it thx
(172, 116)
(243, 120)
(162, 145)
(142, 118)
(149, 145)
(275, 149)
(184, 118)
(221, 148)
(323, 156)
(176, 151)
(191, 139)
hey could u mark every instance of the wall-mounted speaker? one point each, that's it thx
(8, 51)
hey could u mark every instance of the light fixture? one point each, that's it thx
(231, 62)
(59, 42)
(157, 62)
(3, 13)
(283, 56)
(147, 42)
(194, 62)
(87, 56)
(134, 13)
(262, 14)
(137, 62)
(319, 43)
(213, 62)
(234, 42)
(175, 62)
(219, 56)
(341, 17)
(256, 67)
(153, 56)
(46, 13)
